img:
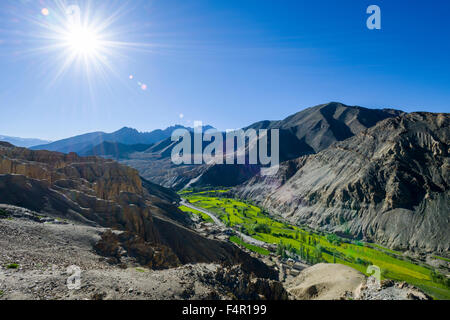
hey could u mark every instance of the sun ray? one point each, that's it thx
(88, 43)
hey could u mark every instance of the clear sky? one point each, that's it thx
(226, 63)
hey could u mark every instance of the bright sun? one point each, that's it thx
(83, 40)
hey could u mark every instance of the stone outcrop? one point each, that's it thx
(389, 184)
(326, 281)
(244, 286)
(118, 246)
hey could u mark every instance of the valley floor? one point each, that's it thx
(295, 243)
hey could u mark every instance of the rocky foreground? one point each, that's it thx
(340, 282)
(36, 251)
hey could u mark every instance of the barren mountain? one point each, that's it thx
(389, 184)
(315, 129)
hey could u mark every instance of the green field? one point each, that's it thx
(316, 247)
(441, 258)
(251, 247)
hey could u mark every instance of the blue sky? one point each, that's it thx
(226, 63)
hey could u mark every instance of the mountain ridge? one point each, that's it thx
(389, 184)
(126, 135)
(306, 132)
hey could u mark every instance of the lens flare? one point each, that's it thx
(84, 39)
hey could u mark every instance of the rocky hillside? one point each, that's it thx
(100, 192)
(389, 184)
(40, 273)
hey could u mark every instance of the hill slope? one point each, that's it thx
(114, 150)
(389, 183)
(315, 129)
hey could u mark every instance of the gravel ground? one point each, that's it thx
(42, 252)
(111, 283)
(34, 257)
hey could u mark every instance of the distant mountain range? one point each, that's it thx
(306, 132)
(90, 143)
(23, 142)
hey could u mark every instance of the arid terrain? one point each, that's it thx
(43, 250)
(36, 252)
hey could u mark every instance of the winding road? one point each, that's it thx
(213, 216)
(217, 221)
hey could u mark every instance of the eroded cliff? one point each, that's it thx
(105, 193)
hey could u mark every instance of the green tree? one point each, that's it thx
(262, 228)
